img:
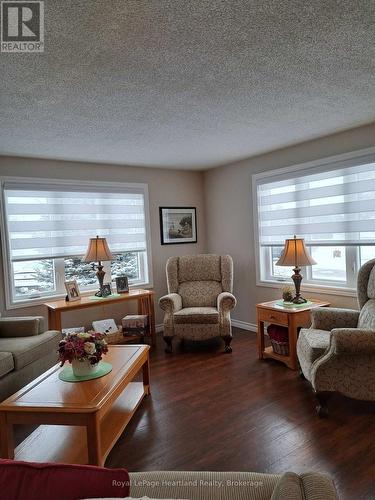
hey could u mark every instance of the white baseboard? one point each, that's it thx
(251, 327)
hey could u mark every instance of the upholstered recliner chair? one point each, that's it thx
(199, 298)
(337, 354)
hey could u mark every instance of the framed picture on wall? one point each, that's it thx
(178, 225)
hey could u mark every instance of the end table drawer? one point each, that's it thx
(280, 318)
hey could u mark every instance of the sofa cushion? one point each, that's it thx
(313, 343)
(199, 268)
(199, 293)
(288, 487)
(202, 315)
(25, 326)
(6, 363)
(367, 315)
(26, 350)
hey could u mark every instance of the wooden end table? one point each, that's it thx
(293, 318)
(79, 422)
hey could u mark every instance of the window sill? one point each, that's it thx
(321, 289)
(48, 298)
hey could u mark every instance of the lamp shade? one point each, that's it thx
(98, 250)
(295, 254)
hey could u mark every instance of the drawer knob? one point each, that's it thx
(272, 317)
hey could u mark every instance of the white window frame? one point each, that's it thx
(329, 163)
(146, 280)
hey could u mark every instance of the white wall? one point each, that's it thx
(229, 212)
(166, 188)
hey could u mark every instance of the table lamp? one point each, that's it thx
(296, 254)
(98, 251)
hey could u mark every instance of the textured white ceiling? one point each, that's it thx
(188, 83)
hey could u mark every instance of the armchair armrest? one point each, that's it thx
(171, 303)
(25, 326)
(328, 318)
(353, 341)
(226, 301)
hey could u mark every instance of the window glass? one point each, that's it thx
(281, 273)
(331, 263)
(126, 264)
(83, 272)
(33, 278)
(366, 253)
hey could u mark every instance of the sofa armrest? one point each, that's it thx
(25, 326)
(316, 485)
(353, 341)
(328, 318)
(171, 303)
(226, 301)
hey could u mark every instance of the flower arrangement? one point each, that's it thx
(83, 347)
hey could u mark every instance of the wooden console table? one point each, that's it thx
(291, 317)
(145, 299)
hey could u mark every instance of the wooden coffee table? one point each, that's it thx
(79, 422)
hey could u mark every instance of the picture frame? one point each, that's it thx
(122, 284)
(106, 290)
(178, 225)
(72, 291)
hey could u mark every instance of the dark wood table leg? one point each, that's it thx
(293, 335)
(260, 335)
(6, 436)
(146, 376)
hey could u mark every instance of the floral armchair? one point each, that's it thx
(337, 354)
(199, 298)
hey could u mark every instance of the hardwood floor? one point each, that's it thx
(215, 411)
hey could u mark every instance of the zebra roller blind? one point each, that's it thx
(52, 221)
(333, 207)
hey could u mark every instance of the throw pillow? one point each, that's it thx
(38, 481)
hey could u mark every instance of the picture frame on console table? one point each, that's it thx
(178, 225)
(72, 291)
(122, 284)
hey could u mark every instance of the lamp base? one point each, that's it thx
(297, 278)
(100, 275)
(299, 300)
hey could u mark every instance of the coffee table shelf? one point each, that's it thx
(68, 444)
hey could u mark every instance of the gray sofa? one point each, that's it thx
(231, 486)
(26, 351)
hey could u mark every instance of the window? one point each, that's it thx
(332, 207)
(47, 227)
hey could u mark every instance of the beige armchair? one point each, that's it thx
(337, 354)
(199, 298)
